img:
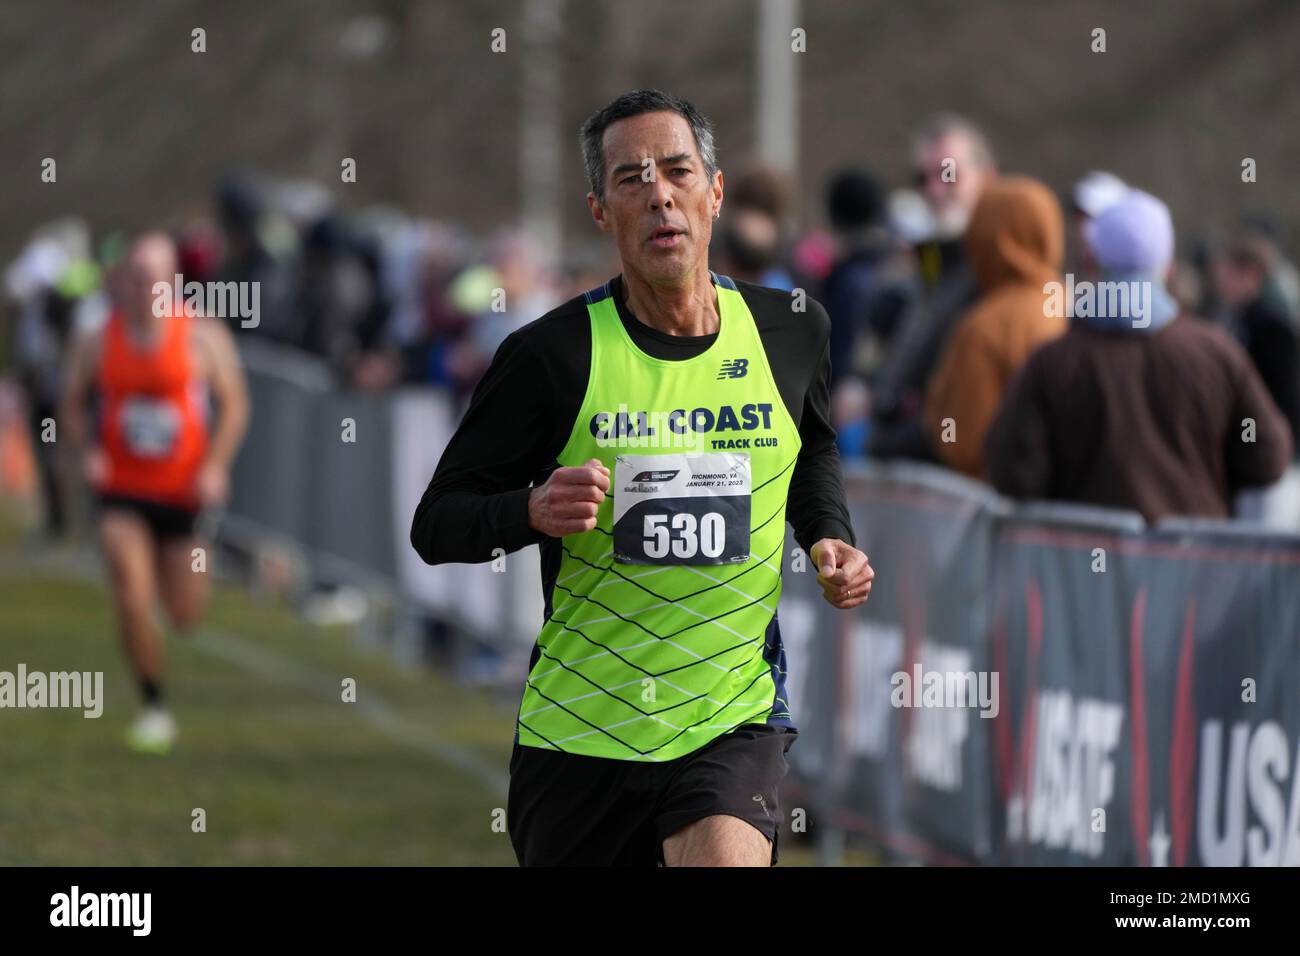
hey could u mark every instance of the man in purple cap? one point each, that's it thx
(1136, 406)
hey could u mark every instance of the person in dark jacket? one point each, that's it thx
(862, 294)
(1260, 322)
(1137, 406)
(1262, 327)
(953, 163)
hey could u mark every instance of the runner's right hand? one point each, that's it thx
(568, 501)
(94, 467)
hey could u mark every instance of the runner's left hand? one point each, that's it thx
(843, 573)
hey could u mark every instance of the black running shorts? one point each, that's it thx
(572, 810)
(165, 522)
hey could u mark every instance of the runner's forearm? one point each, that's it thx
(817, 508)
(229, 434)
(477, 500)
(72, 419)
(468, 528)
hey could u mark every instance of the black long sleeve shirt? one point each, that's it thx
(523, 409)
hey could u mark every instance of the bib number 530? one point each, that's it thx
(683, 536)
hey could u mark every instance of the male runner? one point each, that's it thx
(664, 421)
(154, 460)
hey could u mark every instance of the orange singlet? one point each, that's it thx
(153, 419)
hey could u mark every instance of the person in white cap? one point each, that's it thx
(1092, 195)
(1096, 192)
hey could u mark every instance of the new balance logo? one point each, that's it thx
(734, 368)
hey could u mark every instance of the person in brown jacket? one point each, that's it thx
(1137, 406)
(1015, 243)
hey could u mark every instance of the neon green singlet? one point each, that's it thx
(656, 640)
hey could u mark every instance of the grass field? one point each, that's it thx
(413, 773)
(286, 772)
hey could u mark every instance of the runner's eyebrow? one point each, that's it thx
(622, 168)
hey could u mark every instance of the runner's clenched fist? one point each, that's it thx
(568, 501)
(843, 572)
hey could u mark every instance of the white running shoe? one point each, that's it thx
(154, 731)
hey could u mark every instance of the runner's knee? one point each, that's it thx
(185, 590)
(184, 611)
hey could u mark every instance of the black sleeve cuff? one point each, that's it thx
(514, 509)
(825, 528)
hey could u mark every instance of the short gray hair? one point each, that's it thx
(592, 134)
(952, 124)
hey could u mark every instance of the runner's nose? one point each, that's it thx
(660, 196)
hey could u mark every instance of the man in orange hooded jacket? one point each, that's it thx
(1015, 243)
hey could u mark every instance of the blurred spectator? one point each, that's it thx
(1096, 192)
(1258, 321)
(864, 294)
(909, 216)
(55, 284)
(813, 257)
(513, 290)
(199, 250)
(444, 322)
(1187, 285)
(851, 417)
(749, 244)
(341, 308)
(1282, 285)
(755, 227)
(763, 188)
(1141, 412)
(1092, 195)
(953, 163)
(1015, 243)
(257, 250)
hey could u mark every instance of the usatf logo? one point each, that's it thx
(656, 475)
(734, 368)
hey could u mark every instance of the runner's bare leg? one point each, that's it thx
(719, 840)
(185, 591)
(129, 551)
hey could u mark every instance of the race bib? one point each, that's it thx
(682, 508)
(150, 427)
